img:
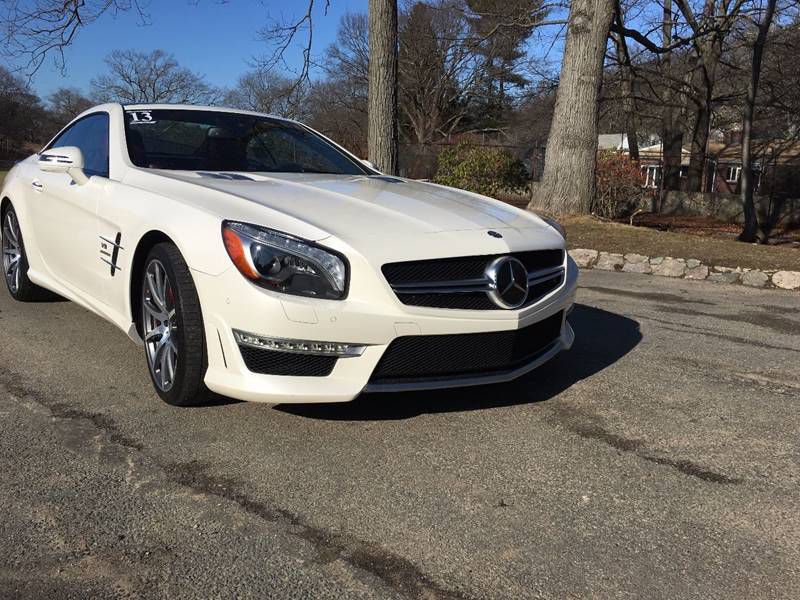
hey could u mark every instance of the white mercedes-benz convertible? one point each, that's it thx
(253, 257)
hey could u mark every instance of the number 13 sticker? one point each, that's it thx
(140, 116)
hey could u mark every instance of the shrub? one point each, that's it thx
(618, 185)
(481, 169)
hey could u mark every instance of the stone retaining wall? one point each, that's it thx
(684, 268)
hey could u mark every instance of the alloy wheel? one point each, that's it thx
(160, 325)
(12, 251)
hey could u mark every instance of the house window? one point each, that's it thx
(732, 174)
(651, 175)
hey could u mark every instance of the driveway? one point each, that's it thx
(657, 459)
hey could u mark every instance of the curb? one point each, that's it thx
(684, 268)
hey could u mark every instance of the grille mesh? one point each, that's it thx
(425, 357)
(469, 267)
(270, 362)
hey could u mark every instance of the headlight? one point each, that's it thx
(555, 225)
(284, 263)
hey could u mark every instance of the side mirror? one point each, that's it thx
(68, 159)
(369, 164)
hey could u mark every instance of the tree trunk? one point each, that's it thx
(702, 91)
(382, 103)
(750, 231)
(699, 145)
(568, 181)
(671, 130)
(628, 100)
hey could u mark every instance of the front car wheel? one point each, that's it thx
(15, 262)
(172, 328)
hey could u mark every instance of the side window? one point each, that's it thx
(90, 134)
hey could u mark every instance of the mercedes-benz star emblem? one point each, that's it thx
(509, 279)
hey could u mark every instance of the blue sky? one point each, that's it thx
(210, 37)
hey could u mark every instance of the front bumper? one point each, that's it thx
(375, 320)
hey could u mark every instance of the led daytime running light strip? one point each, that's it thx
(298, 346)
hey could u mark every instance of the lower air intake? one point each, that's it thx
(436, 357)
(270, 362)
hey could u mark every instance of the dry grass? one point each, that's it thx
(588, 232)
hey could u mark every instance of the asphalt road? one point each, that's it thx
(657, 459)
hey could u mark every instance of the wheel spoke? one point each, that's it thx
(172, 356)
(161, 346)
(152, 286)
(164, 368)
(159, 316)
(161, 283)
(8, 237)
(155, 312)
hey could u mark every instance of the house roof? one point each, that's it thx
(784, 152)
(653, 153)
(781, 151)
(612, 141)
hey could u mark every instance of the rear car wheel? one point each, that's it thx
(172, 328)
(15, 262)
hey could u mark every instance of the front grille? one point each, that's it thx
(468, 267)
(270, 362)
(477, 300)
(429, 282)
(432, 357)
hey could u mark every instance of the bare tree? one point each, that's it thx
(267, 92)
(671, 129)
(338, 105)
(333, 111)
(138, 77)
(567, 184)
(280, 35)
(750, 231)
(348, 57)
(67, 103)
(35, 30)
(710, 28)
(625, 66)
(382, 131)
(439, 69)
(22, 114)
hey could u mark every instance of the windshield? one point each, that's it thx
(204, 140)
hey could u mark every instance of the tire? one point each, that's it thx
(15, 262)
(171, 324)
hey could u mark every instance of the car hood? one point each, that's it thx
(360, 206)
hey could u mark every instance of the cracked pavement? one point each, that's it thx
(659, 459)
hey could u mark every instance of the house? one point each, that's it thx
(776, 164)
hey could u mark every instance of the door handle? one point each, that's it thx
(37, 185)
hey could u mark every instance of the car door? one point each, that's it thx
(65, 213)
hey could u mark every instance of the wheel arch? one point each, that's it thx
(5, 203)
(146, 243)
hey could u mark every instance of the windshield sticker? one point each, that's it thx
(140, 117)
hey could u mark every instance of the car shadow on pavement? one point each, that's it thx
(602, 338)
